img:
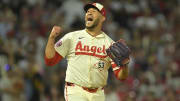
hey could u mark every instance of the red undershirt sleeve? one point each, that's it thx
(54, 60)
(116, 70)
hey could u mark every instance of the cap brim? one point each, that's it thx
(87, 6)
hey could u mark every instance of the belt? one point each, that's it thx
(69, 84)
(91, 90)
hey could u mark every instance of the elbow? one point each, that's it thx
(53, 61)
(48, 62)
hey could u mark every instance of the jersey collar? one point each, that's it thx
(98, 36)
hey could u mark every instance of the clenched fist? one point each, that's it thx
(55, 32)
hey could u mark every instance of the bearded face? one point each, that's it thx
(92, 18)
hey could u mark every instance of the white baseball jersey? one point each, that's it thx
(88, 62)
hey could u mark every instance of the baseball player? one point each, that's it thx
(90, 53)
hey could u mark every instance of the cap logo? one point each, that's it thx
(99, 6)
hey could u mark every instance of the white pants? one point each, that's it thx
(77, 93)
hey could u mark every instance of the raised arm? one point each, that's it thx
(51, 56)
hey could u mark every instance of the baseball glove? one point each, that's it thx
(119, 52)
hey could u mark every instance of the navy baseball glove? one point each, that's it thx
(119, 52)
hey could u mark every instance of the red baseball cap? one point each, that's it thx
(97, 6)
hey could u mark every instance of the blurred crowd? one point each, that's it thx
(150, 27)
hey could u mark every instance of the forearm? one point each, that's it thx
(51, 56)
(50, 50)
(123, 73)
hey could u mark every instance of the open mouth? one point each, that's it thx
(90, 19)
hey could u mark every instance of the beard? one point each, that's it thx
(96, 22)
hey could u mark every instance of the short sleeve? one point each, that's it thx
(63, 45)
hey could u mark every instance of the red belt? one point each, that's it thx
(69, 84)
(91, 90)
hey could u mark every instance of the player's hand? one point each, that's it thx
(56, 31)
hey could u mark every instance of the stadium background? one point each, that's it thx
(150, 27)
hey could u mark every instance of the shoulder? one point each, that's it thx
(75, 33)
(108, 38)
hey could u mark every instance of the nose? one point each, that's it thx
(89, 12)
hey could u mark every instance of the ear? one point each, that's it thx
(103, 18)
